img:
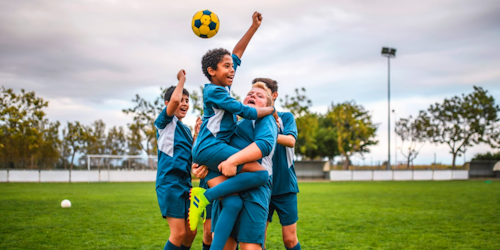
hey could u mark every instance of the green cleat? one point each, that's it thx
(198, 203)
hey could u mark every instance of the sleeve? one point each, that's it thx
(236, 61)
(163, 119)
(289, 125)
(223, 100)
(266, 134)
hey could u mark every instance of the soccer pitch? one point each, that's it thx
(340, 215)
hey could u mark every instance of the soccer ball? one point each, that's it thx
(65, 203)
(205, 24)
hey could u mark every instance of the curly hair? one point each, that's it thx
(270, 83)
(211, 59)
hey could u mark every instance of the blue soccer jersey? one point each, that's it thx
(219, 117)
(174, 150)
(264, 133)
(284, 178)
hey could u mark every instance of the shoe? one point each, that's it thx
(197, 206)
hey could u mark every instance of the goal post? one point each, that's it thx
(121, 167)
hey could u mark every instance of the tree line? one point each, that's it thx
(29, 140)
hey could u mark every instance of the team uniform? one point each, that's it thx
(173, 178)
(251, 223)
(219, 123)
(285, 188)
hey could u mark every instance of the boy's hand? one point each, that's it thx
(257, 18)
(197, 126)
(181, 75)
(199, 171)
(228, 169)
(277, 118)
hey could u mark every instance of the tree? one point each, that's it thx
(411, 131)
(22, 121)
(326, 138)
(354, 128)
(144, 116)
(460, 122)
(307, 123)
(75, 136)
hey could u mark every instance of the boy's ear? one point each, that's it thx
(274, 95)
(211, 71)
(166, 103)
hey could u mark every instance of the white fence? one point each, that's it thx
(77, 176)
(399, 175)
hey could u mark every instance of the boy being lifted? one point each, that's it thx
(212, 148)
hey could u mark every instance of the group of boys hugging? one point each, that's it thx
(245, 166)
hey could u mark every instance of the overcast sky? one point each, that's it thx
(89, 58)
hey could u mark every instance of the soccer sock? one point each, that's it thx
(296, 247)
(231, 206)
(170, 246)
(185, 247)
(206, 247)
(237, 183)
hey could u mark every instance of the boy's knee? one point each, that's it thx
(232, 202)
(290, 240)
(190, 235)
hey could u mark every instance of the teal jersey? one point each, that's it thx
(174, 150)
(219, 117)
(284, 178)
(264, 132)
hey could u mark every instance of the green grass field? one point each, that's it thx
(342, 215)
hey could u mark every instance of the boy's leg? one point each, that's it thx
(189, 237)
(231, 244)
(242, 181)
(207, 233)
(177, 233)
(290, 236)
(231, 206)
(286, 207)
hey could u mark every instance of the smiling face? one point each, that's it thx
(224, 74)
(183, 108)
(256, 98)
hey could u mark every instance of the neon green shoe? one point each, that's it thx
(197, 206)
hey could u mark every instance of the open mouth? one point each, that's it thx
(183, 109)
(251, 101)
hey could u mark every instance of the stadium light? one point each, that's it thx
(389, 53)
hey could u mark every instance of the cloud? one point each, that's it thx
(99, 54)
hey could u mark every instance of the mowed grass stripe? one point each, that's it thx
(340, 215)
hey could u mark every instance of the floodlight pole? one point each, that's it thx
(388, 52)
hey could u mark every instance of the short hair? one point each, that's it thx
(211, 59)
(263, 86)
(168, 93)
(270, 83)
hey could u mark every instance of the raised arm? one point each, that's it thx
(176, 98)
(242, 44)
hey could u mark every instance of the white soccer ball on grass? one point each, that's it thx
(65, 203)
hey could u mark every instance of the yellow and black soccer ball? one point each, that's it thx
(205, 23)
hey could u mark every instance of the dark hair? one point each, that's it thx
(211, 59)
(169, 91)
(270, 83)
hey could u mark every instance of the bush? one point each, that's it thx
(487, 156)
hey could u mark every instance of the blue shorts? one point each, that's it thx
(250, 226)
(173, 198)
(286, 207)
(213, 156)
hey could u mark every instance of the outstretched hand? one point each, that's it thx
(197, 126)
(257, 18)
(181, 74)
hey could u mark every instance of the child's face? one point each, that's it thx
(256, 98)
(224, 74)
(183, 108)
